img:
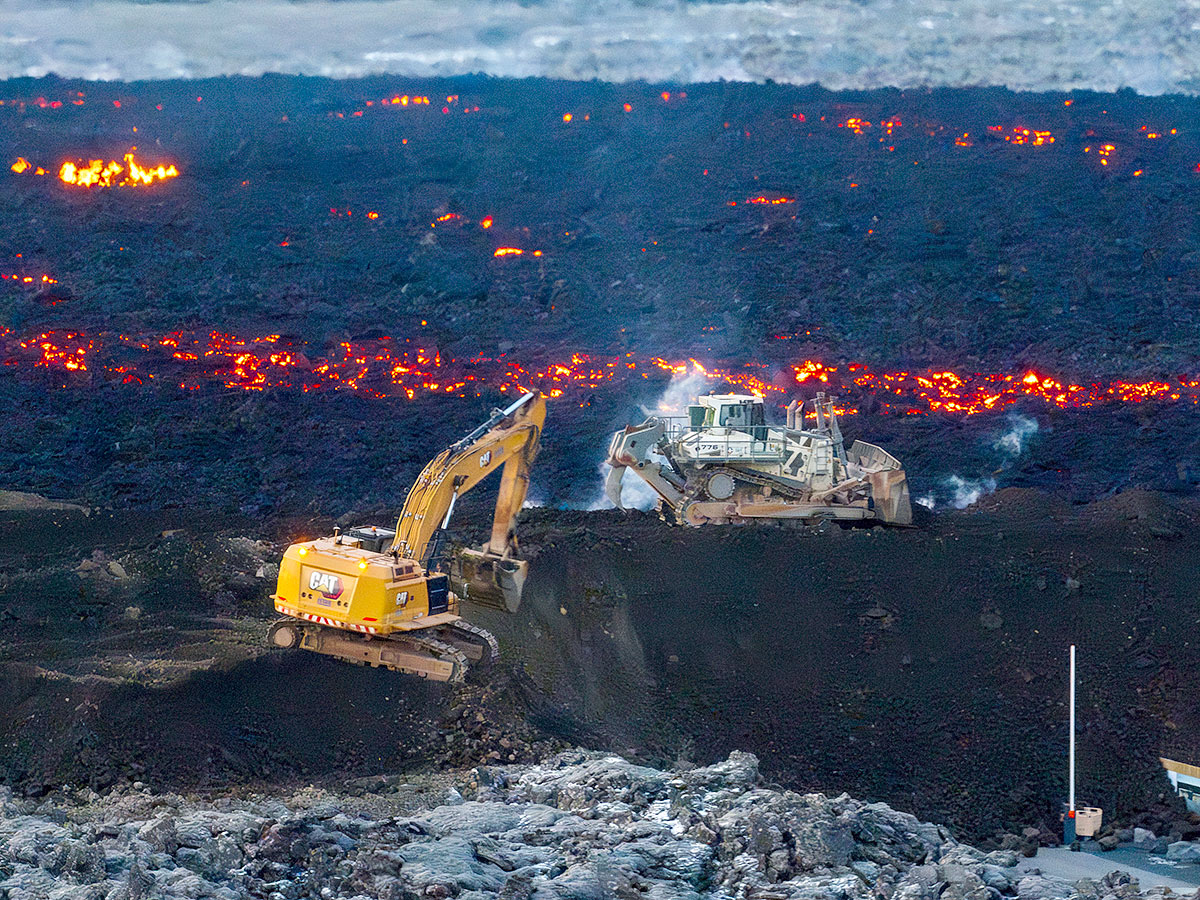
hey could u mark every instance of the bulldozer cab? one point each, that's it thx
(739, 412)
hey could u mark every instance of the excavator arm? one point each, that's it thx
(508, 441)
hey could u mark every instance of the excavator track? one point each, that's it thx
(477, 644)
(443, 650)
(414, 653)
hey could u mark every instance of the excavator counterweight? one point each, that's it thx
(385, 596)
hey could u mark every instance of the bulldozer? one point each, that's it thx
(385, 596)
(722, 463)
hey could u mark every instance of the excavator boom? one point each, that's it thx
(508, 441)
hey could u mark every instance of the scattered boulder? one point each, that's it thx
(1144, 839)
(1184, 851)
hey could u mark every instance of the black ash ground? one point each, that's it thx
(993, 256)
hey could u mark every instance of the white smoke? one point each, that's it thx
(635, 493)
(966, 492)
(681, 391)
(840, 44)
(1021, 428)
(959, 492)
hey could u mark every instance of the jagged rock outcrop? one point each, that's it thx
(579, 826)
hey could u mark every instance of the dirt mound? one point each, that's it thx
(922, 667)
(1147, 512)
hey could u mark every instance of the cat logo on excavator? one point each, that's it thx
(328, 584)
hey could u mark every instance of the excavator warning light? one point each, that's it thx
(362, 563)
(303, 551)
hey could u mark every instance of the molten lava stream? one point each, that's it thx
(394, 367)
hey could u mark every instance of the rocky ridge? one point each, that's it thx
(578, 825)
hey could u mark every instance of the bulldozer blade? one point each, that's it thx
(612, 484)
(889, 491)
(489, 580)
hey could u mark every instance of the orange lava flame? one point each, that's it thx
(28, 279)
(97, 173)
(1020, 136)
(395, 367)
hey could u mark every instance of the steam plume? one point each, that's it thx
(959, 492)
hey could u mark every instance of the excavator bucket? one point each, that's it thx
(489, 580)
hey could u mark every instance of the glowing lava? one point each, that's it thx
(406, 367)
(28, 279)
(1021, 136)
(97, 173)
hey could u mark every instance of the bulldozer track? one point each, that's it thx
(695, 494)
(694, 490)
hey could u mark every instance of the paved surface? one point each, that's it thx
(1149, 870)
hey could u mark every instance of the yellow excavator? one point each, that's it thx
(380, 597)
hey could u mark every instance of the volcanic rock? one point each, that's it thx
(1184, 851)
(1144, 838)
(578, 824)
